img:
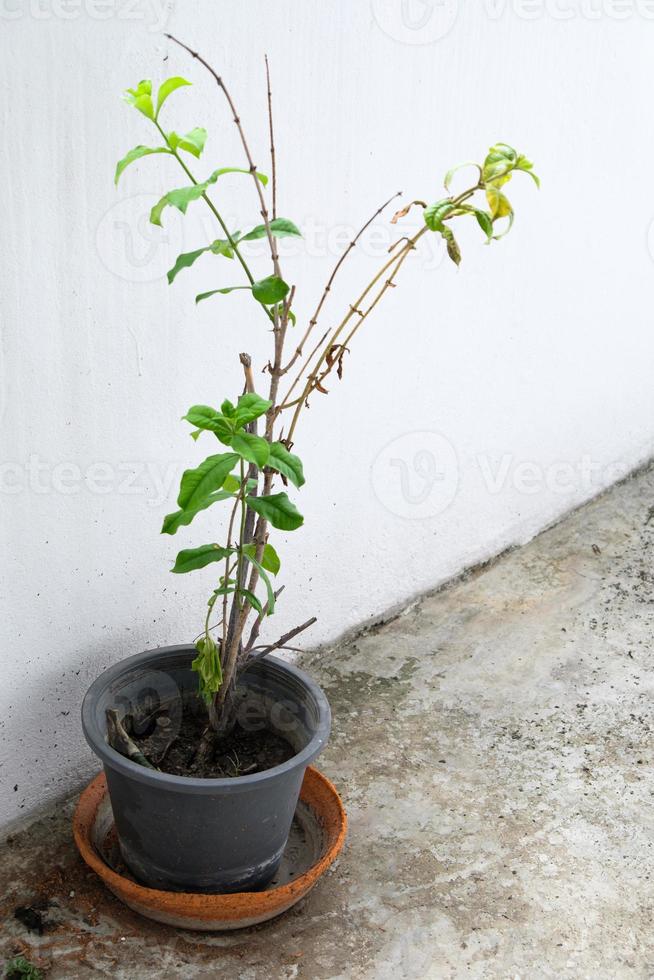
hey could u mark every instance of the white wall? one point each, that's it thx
(537, 352)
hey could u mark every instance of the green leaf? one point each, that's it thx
(205, 417)
(527, 167)
(252, 599)
(222, 246)
(172, 522)
(204, 479)
(181, 197)
(450, 173)
(279, 228)
(278, 510)
(238, 170)
(193, 558)
(506, 231)
(167, 88)
(19, 968)
(278, 309)
(269, 559)
(213, 292)
(250, 407)
(232, 484)
(498, 202)
(193, 142)
(452, 245)
(207, 665)
(435, 214)
(136, 154)
(141, 98)
(252, 448)
(264, 578)
(184, 261)
(272, 289)
(499, 162)
(267, 291)
(485, 222)
(286, 463)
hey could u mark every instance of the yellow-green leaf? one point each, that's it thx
(167, 88)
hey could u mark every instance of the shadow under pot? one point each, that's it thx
(184, 833)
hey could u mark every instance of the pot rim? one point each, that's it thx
(193, 784)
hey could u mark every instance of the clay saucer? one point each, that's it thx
(316, 838)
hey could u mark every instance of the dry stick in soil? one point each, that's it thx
(121, 742)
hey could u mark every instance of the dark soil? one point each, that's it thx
(173, 747)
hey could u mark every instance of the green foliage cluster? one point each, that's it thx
(21, 969)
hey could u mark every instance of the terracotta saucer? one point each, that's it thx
(316, 838)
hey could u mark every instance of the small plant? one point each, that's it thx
(21, 969)
(256, 432)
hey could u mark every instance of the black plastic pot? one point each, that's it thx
(220, 835)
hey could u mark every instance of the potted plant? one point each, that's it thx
(205, 745)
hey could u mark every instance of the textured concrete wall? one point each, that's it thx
(478, 405)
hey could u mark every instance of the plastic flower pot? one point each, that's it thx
(216, 835)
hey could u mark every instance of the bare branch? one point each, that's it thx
(244, 143)
(256, 626)
(273, 170)
(315, 377)
(354, 310)
(283, 641)
(330, 282)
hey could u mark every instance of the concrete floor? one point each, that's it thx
(493, 746)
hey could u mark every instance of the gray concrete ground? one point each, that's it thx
(493, 746)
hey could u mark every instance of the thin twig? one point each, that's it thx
(256, 626)
(330, 282)
(395, 261)
(225, 620)
(355, 310)
(244, 143)
(273, 169)
(281, 642)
